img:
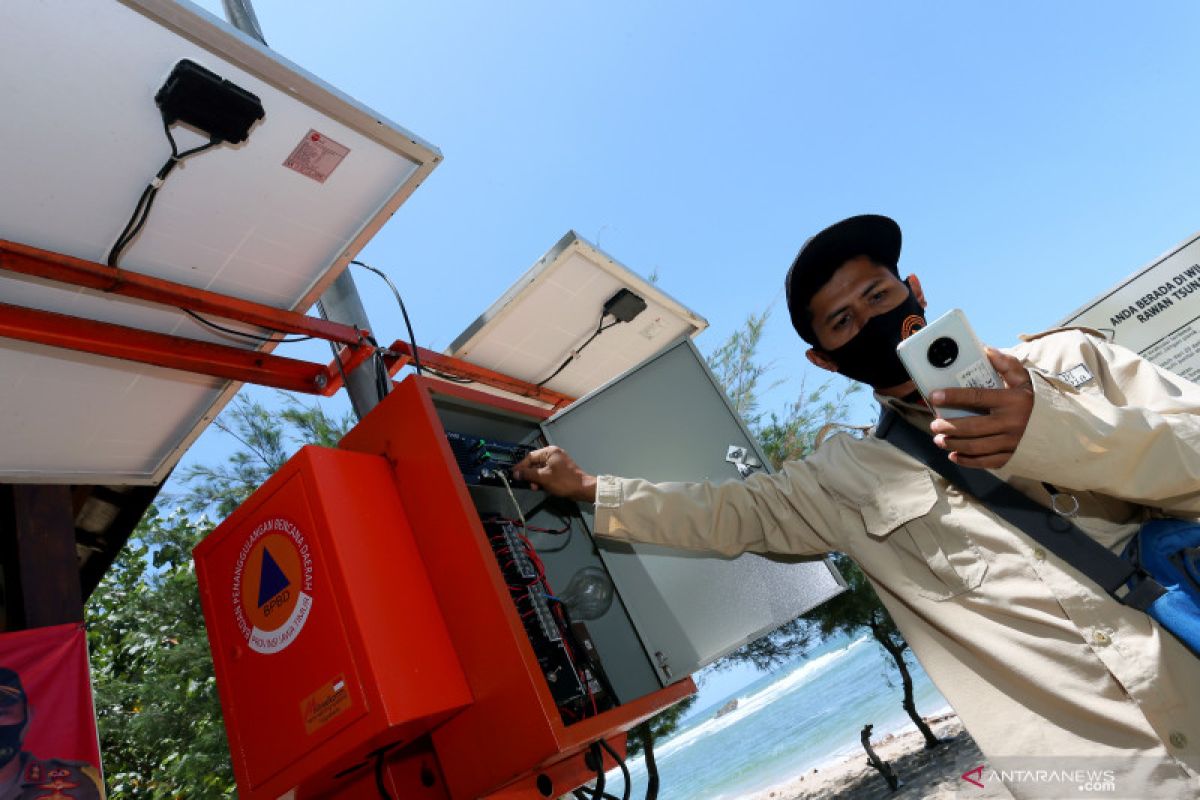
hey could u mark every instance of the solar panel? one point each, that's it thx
(557, 305)
(273, 220)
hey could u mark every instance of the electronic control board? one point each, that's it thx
(562, 646)
(487, 462)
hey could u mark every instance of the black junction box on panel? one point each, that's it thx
(624, 306)
(204, 100)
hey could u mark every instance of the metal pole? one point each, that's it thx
(240, 14)
(341, 302)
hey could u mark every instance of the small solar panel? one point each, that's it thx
(558, 304)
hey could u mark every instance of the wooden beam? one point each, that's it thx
(41, 570)
(132, 504)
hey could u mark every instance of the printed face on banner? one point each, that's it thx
(48, 743)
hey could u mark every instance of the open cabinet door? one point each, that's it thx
(668, 420)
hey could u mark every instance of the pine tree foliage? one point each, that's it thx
(266, 438)
(737, 369)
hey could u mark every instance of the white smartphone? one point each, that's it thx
(947, 354)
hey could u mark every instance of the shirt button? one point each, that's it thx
(1039, 554)
(1100, 638)
(1178, 740)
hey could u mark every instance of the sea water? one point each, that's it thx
(797, 718)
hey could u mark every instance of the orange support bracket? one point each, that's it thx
(175, 352)
(207, 358)
(400, 353)
(27, 260)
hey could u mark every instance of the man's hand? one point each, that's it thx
(556, 472)
(987, 441)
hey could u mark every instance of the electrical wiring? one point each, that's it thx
(379, 782)
(570, 534)
(447, 377)
(580, 794)
(620, 763)
(243, 334)
(600, 328)
(579, 659)
(647, 736)
(141, 211)
(513, 497)
(521, 589)
(598, 756)
(566, 528)
(383, 381)
(412, 338)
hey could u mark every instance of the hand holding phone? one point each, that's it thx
(946, 354)
(984, 399)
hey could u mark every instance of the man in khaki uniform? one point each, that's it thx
(1067, 692)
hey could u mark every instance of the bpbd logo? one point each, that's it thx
(272, 585)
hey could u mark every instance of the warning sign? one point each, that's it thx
(317, 156)
(1155, 312)
(272, 585)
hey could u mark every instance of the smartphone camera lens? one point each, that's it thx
(942, 352)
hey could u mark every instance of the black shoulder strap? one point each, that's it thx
(1052, 531)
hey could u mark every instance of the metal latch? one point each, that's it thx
(742, 458)
(663, 664)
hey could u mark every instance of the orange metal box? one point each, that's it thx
(326, 636)
(512, 734)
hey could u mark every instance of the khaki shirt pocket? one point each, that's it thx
(902, 499)
(937, 559)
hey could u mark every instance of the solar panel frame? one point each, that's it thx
(79, 145)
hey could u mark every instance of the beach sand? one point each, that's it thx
(924, 774)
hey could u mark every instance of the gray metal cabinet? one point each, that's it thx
(668, 420)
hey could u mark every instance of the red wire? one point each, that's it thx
(588, 688)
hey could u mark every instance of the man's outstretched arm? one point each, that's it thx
(787, 512)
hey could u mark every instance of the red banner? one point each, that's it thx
(48, 742)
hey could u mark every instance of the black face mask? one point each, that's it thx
(10, 741)
(870, 356)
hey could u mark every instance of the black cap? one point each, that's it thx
(10, 686)
(870, 235)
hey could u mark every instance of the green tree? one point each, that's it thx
(160, 722)
(156, 702)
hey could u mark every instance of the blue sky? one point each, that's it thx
(1034, 153)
